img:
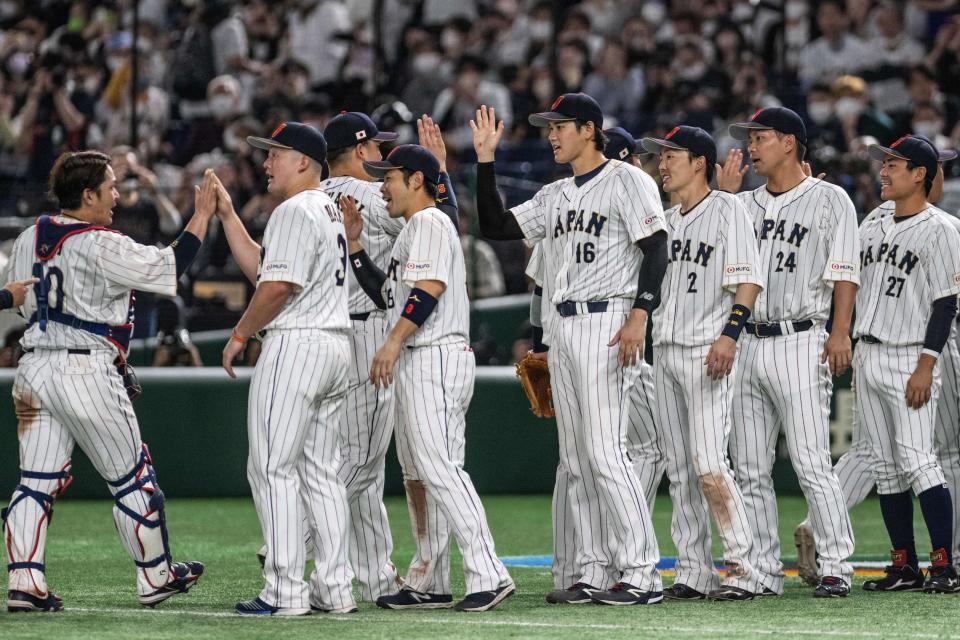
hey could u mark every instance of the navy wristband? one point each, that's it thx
(185, 249)
(6, 299)
(738, 318)
(419, 306)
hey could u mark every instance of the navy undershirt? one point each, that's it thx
(586, 177)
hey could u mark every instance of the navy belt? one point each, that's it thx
(568, 308)
(73, 352)
(772, 329)
(871, 340)
(360, 316)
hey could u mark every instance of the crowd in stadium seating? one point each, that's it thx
(211, 72)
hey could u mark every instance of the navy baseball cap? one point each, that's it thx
(406, 156)
(692, 139)
(570, 106)
(911, 148)
(352, 127)
(620, 144)
(943, 155)
(297, 136)
(777, 118)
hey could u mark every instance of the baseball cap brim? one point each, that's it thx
(947, 155)
(379, 168)
(741, 130)
(544, 118)
(385, 136)
(881, 153)
(265, 143)
(657, 145)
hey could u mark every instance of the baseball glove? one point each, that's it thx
(535, 379)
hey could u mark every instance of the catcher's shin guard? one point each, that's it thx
(25, 522)
(139, 516)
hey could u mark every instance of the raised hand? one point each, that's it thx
(432, 140)
(808, 171)
(486, 133)
(224, 201)
(730, 173)
(205, 196)
(352, 220)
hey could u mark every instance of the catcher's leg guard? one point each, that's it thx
(25, 522)
(139, 516)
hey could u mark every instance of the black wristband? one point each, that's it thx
(738, 318)
(369, 277)
(537, 336)
(185, 249)
(6, 299)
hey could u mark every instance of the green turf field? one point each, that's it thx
(89, 569)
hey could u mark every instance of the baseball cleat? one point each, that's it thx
(943, 575)
(485, 600)
(578, 593)
(767, 592)
(336, 611)
(900, 576)
(806, 554)
(832, 587)
(21, 601)
(680, 591)
(624, 594)
(184, 575)
(729, 593)
(258, 607)
(408, 598)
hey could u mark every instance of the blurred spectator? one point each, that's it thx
(834, 53)
(856, 116)
(457, 105)
(944, 58)
(313, 27)
(893, 52)
(484, 274)
(11, 351)
(174, 346)
(618, 89)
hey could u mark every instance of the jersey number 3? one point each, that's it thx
(341, 274)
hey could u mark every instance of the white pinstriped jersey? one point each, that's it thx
(379, 233)
(808, 241)
(305, 244)
(91, 278)
(428, 248)
(905, 266)
(711, 249)
(590, 233)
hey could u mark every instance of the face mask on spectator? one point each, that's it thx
(848, 108)
(222, 106)
(795, 10)
(17, 63)
(425, 64)
(653, 12)
(450, 39)
(742, 13)
(115, 62)
(820, 112)
(8, 9)
(540, 30)
(542, 88)
(693, 71)
(929, 128)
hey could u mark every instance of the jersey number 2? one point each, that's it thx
(341, 274)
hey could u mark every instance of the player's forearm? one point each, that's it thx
(245, 251)
(266, 304)
(496, 223)
(939, 324)
(368, 275)
(652, 270)
(746, 294)
(844, 296)
(447, 199)
(401, 331)
(536, 320)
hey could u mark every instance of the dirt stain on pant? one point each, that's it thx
(417, 505)
(28, 410)
(719, 500)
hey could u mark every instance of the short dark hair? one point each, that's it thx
(927, 178)
(336, 155)
(708, 168)
(428, 186)
(73, 173)
(600, 139)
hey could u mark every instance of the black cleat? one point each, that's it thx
(680, 591)
(730, 593)
(943, 575)
(578, 593)
(185, 574)
(900, 576)
(21, 601)
(485, 600)
(408, 598)
(624, 594)
(832, 587)
(767, 592)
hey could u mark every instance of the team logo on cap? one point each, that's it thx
(361, 134)
(280, 127)
(754, 116)
(624, 153)
(556, 103)
(672, 131)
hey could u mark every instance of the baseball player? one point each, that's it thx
(854, 468)
(808, 261)
(426, 353)
(712, 271)
(368, 423)
(301, 300)
(604, 252)
(910, 264)
(68, 389)
(643, 448)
